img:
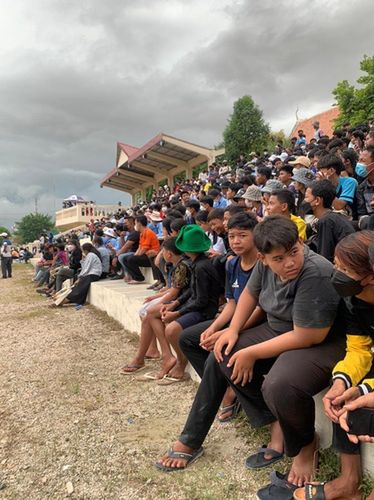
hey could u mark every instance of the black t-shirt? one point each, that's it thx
(331, 228)
(134, 236)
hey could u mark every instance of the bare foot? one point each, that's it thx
(303, 465)
(338, 489)
(177, 371)
(178, 463)
(166, 366)
(152, 354)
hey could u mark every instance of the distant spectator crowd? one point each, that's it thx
(263, 280)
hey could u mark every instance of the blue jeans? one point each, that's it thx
(121, 259)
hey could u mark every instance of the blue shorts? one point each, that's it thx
(190, 319)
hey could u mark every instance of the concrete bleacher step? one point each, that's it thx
(122, 302)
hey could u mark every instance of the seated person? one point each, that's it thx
(130, 245)
(285, 177)
(149, 246)
(353, 376)
(294, 348)
(75, 257)
(91, 271)
(217, 243)
(105, 254)
(198, 303)
(330, 167)
(216, 224)
(193, 207)
(43, 265)
(179, 277)
(282, 202)
(198, 340)
(365, 192)
(331, 227)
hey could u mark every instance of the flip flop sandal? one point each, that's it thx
(167, 380)
(150, 358)
(234, 408)
(131, 369)
(278, 489)
(189, 457)
(258, 460)
(147, 377)
(314, 491)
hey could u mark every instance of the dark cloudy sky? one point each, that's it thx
(76, 76)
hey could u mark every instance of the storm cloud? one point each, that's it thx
(76, 77)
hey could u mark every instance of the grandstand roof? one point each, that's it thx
(161, 158)
(325, 119)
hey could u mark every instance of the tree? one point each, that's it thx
(246, 130)
(356, 104)
(31, 226)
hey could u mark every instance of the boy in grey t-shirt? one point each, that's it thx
(277, 367)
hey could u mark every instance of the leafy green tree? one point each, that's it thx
(30, 227)
(276, 138)
(356, 104)
(246, 129)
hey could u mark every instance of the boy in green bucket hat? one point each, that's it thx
(198, 303)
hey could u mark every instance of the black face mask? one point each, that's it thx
(346, 286)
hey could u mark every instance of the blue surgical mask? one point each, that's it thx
(361, 169)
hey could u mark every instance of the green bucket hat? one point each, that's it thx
(193, 239)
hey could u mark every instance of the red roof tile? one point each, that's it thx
(326, 123)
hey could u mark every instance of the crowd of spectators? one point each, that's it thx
(264, 282)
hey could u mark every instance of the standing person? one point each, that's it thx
(318, 133)
(6, 256)
(331, 227)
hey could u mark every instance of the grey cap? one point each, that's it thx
(304, 176)
(253, 193)
(272, 185)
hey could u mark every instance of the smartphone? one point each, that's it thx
(361, 422)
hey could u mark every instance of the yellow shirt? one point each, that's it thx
(301, 226)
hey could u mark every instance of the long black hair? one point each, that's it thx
(89, 248)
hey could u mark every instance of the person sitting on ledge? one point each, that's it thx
(91, 271)
(197, 341)
(149, 246)
(179, 277)
(198, 303)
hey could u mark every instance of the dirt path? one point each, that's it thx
(67, 416)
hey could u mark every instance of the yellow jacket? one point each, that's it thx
(358, 317)
(357, 363)
(301, 226)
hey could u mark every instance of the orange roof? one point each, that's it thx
(326, 123)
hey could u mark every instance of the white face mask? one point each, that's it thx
(70, 248)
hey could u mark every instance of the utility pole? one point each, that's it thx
(36, 204)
